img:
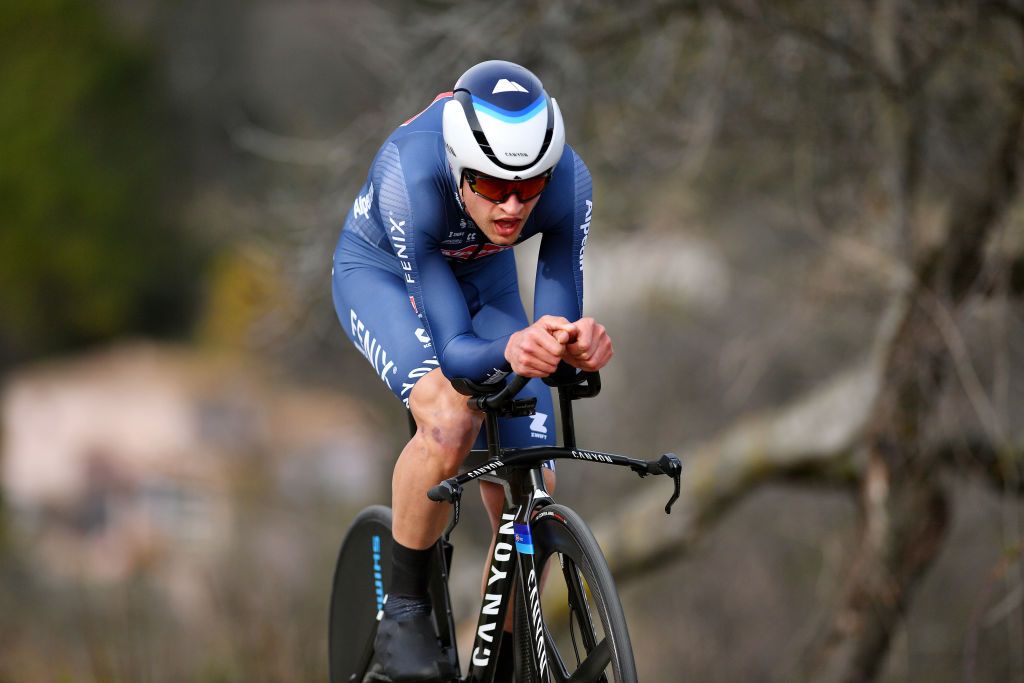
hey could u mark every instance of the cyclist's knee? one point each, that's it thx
(443, 419)
(550, 479)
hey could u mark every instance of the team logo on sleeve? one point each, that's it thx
(399, 242)
(361, 206)
(585, 229)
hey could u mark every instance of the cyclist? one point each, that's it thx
(424, 284)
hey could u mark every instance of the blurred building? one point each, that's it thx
(139, 459)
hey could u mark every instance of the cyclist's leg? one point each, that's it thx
(446, 428)
(373, 306)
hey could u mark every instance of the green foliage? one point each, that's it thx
(87, 251)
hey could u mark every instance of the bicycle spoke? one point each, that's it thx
(559, 672)
(595, 663)
(578, 602)
(588, 641)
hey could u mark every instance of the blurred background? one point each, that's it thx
(807, 246)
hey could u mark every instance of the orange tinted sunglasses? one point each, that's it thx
(498, 191)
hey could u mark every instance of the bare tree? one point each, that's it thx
(871, 423)
(906, 168)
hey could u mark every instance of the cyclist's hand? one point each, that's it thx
(591, 349)
(536, 350)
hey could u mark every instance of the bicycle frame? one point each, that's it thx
(512, 559)
(511, 564)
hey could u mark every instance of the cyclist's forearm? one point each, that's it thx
(470, 357)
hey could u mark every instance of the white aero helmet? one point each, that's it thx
(502, 123)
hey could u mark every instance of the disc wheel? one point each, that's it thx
(358, 593)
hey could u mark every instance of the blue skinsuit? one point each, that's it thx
(417, 285)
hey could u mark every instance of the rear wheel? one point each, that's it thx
(358, 593)
(585, 628)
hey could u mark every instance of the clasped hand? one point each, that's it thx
(536, 350)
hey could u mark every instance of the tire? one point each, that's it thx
(358, 592)
(584, 623)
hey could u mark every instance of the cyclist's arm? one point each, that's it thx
(559, 283)
(564, 213)
(559, 290)
(414, 216)
(460, 352)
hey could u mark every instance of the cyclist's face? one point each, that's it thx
(503, 222)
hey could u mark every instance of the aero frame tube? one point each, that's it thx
(529, 585)
(497, 595)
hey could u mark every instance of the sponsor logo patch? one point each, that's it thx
(361, 206)
(371, 349)
(467, 253)
(505, 85)
(524, 541)
(585, 229)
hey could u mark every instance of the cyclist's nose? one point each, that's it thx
(512, 205)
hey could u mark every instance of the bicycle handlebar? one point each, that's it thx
(505, 397)
(450, 490)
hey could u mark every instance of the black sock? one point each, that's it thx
(410, 571)
(505, 664)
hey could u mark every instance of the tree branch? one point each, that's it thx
(812, 437)
(854, 58)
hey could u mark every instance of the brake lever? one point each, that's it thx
(669, 464)
(448, 491)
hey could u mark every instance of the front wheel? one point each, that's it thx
(585, 628)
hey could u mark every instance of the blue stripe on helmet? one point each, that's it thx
(509, 116)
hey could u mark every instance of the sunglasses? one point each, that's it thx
(498, 191)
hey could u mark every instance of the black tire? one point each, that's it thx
(364, 563)
(584, 623)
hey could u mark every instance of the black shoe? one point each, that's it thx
(409, 652)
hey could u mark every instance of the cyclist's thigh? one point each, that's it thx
(498, 312)
(374, 310)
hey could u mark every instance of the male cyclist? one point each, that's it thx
(424, 284)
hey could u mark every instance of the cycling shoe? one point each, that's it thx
(408, 650)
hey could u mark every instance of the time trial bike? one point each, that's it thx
(568, 623)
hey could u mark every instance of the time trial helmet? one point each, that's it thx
(501, 122)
